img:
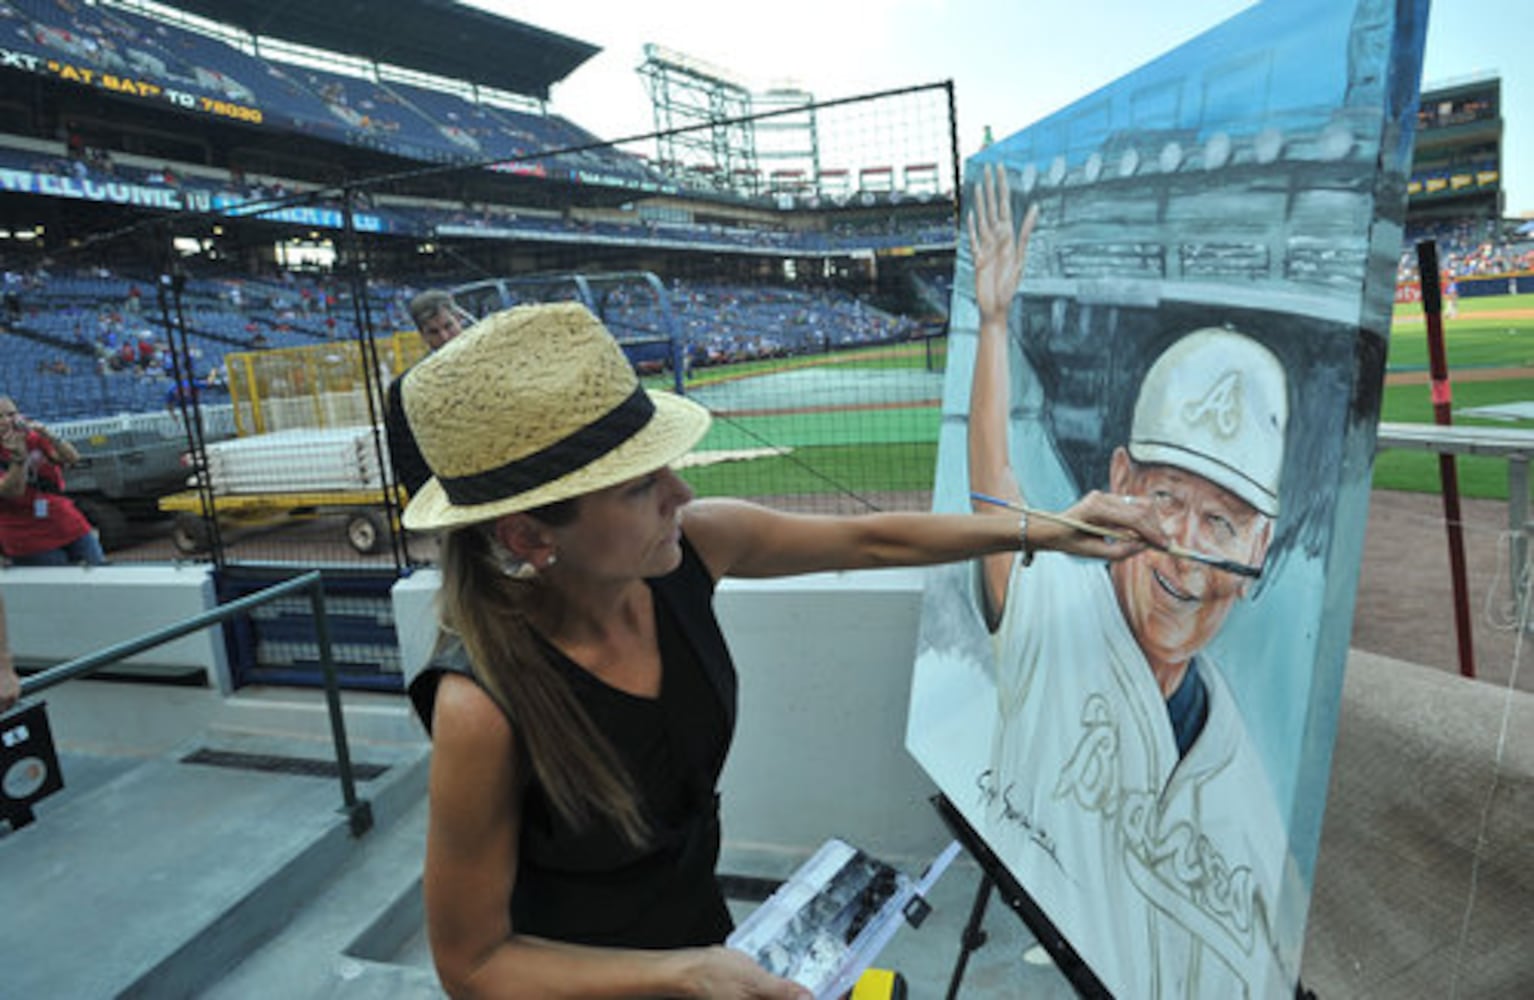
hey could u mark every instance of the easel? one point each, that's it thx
(993, 876)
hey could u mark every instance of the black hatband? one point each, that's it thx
(559, 459)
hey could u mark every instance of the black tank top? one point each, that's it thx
(592, 886)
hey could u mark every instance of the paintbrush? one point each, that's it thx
(1171, 548)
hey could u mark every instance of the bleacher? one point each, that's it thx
(51, 383)
(77, 348)
(122, 43)
(176, 187)
(83, 347)
(78, 340)
(409, 121)
(1487, 252)
(376, 117)
(465, 125)
(721, 323)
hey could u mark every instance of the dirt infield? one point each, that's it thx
(1460, 375)
(1468, 314)
(1405, 604)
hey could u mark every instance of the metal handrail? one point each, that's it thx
(359, 813)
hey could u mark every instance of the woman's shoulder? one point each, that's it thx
(718, 529)
(460, 699)
(448, 669)
(473, 743)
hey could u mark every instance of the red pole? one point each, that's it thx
(1438, 364)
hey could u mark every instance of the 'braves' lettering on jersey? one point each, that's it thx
(1162, 871)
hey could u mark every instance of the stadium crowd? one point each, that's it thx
(106, 348)
(1469, 248)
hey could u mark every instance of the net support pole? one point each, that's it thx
(1448, 474)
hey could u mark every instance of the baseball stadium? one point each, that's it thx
(214, 217)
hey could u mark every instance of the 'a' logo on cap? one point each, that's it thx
(1220, 407)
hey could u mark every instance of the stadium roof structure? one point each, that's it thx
(442, 37)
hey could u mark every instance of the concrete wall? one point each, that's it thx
(54, 614)
(824, 663)
(1424, 885)
(415, 619)
(825, 684)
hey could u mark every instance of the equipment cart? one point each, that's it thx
(363, 509)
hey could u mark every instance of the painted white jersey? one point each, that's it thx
(1163, 874)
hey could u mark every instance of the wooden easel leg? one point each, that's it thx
(974, 933)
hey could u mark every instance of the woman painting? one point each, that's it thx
(583, 699)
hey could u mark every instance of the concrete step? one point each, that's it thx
(160, 878)
(355, 938)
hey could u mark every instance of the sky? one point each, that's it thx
(1013, 62)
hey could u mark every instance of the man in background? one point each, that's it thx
(438, 319)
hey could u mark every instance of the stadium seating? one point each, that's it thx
(68, 349)
(227, 73)
(65, 321)
(81, 329)
(1468, 248)
(377, 117)
(179, 187)
(467, 125)
(407, 120)
(76, 349)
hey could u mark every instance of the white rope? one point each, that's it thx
(1520, 598)
(1503, 615)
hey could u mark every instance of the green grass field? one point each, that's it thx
(863, 450)
(854, 469)
(1472, 341)
(850, 451)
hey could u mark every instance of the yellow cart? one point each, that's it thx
(364, 509)
(323, 385)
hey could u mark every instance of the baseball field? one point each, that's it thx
(858, 424)
(1490, 351)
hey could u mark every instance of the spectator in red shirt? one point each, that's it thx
(39, 525)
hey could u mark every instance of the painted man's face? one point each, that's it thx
(1175, 606)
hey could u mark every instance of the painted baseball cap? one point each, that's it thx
(1216, 403)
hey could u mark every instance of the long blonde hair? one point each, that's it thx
(570, 757)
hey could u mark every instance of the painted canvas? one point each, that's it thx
(1173, 295)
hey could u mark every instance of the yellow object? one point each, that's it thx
(363, 511)
(260, 505)
(879, 984)
(317, 385)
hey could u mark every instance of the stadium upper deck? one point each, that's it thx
(156, 65)
(120, 116)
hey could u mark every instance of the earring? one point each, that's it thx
(523, 571)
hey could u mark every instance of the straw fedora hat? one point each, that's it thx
(533, 405)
